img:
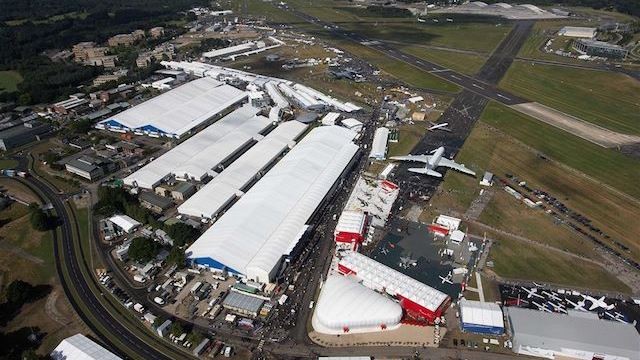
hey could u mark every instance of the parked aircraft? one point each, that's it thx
(552, 295)
(432, 162)
(532, 292)
(446, 279)
(384, 251)
(541, 307)
(421, 20)
(598, 303)
(577, 306)
(406, 261)
(441, 126)
(557, 307)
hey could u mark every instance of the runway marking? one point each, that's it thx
(455, 77)
(440, 70)
(419, 62)
(504, 97)
(478, 86)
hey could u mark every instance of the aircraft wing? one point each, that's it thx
(419, 158)
(454, 165)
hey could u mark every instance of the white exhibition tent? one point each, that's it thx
(254, 234)
(379, 146)
(346, 305)
(177, 111)
(80, 347)
(124, 222)
(477, 315)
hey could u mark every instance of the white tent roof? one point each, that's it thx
(379, 146)
(343, 302)
(225, 186)
(384, 278)
(481, 313)
(181, 109)
(330, 118)
(351, 221)
(256, 232)
(351, 123)
(80, 347)
(124, 222)
(199, 154)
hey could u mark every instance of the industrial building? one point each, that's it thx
(124, 222)
(177, 112)
(80, 347)
(22, 134)
(481, 317)
(379, 146)
(243, 304)
(599, 48)
(234, 179)
(271, 217)
(197, 157)
(578, 32)
(86, 167)
(421, 302)
(250, 45)
(555, 335)
(346, 306)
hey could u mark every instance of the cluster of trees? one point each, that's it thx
(143, 249)
(117, 200)
(40, 220)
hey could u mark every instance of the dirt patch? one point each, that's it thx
(18, 190)
(590, 132)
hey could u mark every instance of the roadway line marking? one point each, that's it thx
(502, 96)
(478, 86)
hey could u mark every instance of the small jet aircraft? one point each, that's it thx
(446, 279)
(557, 307)
(384, 251)
(541, 307)
(598, 303)
(532, 292)
(442, 126)
(406, 261)
(551, 295)
(432, 162)
(616, 317)
(577, 306)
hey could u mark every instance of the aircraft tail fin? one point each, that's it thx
(425, 171)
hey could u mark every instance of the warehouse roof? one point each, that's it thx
(344, 303)
(554, 331)
(218, 192)
(237, 300)
(178, 111)
(481, 313)
(392, 281)
(124, 222)
(80, 347)
(277, 206)
(198, 155)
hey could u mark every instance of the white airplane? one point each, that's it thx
(384, 251)
(446, 279)
(433, 161)
(557, 307)
(541, 307)
(598, 303)
(532, 292)
(617, 317)
(551, 295)
(577, 306)
(407, 261)
(441, 126)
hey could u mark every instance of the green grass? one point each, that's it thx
(606, 165)
(272, 13)
(607, 99)
(465, 63)
(519, 260)
(8, 163)
(409, 136)
(9, 80)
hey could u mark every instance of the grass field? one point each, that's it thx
(462, 62)
(409, 135)
(518, 260)
(8, 163)
(9, 80)
(603, 98)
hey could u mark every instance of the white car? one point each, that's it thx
(158, 300)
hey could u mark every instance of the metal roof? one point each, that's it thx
(244, 302)
(351, 222)
(80, 347)
(343, 302)
(534, 329)
(178, 111)
(379, 146)
(124, 222)
(214, 196)
(481, 313)
(259, 229)
(198, 155)
(384, 278)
